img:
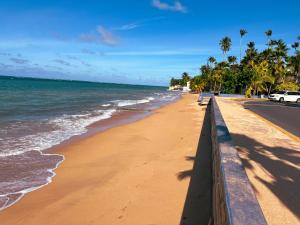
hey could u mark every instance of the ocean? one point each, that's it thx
(37, 114)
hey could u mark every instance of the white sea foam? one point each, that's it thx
(27, 190)
(66, 127)
(122, 103)
(106, 105)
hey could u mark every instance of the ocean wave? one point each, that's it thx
(64, 127)
(106, 105)
(12, 189)
(122, 103)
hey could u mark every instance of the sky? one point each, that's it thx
(132, 41)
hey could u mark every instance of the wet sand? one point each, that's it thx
(130, 175)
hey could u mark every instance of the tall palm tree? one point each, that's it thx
(212, 60)
(251, 53)
(206, 71)
(281, 49)
(294, 63)
(251, 44)
(231, 59)
(295, 46)
(243, 32)
(225, 45)
(269, 33)
(185, 78)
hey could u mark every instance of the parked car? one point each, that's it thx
(286, 96)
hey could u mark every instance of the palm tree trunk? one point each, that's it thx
(269, 91)
(240, 50)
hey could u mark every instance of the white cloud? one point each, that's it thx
(106, 36)
(129, 26)
(176, 7)
(136, 24)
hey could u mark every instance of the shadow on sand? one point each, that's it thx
(197, 207)
(284, 172)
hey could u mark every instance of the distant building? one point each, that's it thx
(181, 88)
(175, 88)
(187, 88)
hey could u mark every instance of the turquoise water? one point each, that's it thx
(36, 114)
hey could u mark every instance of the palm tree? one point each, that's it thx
(294, 63)
(225, 45)
(251, 53)
(243, 32)
(185, 78)
(295, 46)
(281, 49)
(269, 35)
(206, 72)
(212, 60)
(251, 44)
(231, 59)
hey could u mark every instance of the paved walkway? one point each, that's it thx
(271, 160)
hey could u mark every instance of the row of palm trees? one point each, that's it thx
(256, 72)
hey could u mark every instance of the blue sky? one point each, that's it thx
(138, 42)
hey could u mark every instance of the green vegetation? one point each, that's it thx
(257, 72)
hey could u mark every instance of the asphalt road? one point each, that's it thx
(285, 115)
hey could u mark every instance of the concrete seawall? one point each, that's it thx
(234, 201)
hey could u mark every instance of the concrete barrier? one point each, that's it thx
(234, 201)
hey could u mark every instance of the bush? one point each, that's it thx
(248, 93)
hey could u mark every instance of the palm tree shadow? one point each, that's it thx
(197, 207)
(281, 164)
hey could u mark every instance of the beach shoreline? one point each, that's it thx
(120, 117)
(120, 176)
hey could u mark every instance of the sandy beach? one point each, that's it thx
(133, 174)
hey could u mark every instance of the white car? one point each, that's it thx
(286, 96)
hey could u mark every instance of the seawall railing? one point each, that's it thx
(234, 201)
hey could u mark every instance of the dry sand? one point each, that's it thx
(134, 174)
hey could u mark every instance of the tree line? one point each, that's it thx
(255, 72)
